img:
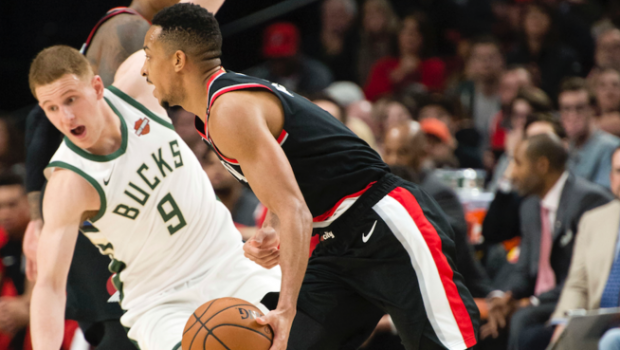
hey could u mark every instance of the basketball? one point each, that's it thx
(226, 323)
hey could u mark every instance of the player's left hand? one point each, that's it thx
(262, 248)
(281, 322)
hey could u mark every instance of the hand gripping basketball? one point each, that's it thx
(262, 248)
(281, 322)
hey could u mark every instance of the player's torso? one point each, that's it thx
(159, 220)
(328, 160)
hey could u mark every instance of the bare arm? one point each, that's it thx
(116, 40)
(258, 116)
(211, 5)
(67, 197)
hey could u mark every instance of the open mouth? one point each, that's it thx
(78, 131)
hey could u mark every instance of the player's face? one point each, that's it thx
(158, 69)
(71, 104)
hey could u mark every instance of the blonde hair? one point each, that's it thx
(54, 62)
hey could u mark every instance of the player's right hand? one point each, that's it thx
(262, 248)
(30, 245)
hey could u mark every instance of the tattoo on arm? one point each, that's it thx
(120, 38)
(34, 201)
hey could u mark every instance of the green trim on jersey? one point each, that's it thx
(178, 346)
(93, 182)
(116, 266)
(139, 106)
(97, 158)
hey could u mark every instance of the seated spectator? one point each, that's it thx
(479, 95)
(414, 65)
(591, 282)
(512, 80)
(607, 54)
(12, 152)
(590, 149)
(549, 60)
(359, 128)
(377, 37)
(405, 146)
(467, 138)
(440, 145)
(527, 101)
(607, 90)
(387, 113)
(336, 44)
(14, 218)
(239, 199)
(286, 66)
(548, 218)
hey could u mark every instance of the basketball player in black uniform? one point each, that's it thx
(385, 245)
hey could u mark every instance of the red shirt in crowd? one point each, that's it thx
(430, 73)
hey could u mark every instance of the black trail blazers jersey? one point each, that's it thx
(328, 160)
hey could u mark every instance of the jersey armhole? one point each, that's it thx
(90, 179)
(139, 106)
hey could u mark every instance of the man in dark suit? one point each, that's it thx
(549, 218)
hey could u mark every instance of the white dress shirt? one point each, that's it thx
(551, 201)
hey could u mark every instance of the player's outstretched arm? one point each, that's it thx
(68, 196)
(242, 125)
(211, 5)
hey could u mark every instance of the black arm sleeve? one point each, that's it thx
(42, 141)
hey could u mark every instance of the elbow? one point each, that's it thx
(305, 218)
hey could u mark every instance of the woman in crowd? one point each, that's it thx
(413, 65)
(539, 49)
(607, 88)
(379, 28)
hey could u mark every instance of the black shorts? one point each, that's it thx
(391, 252)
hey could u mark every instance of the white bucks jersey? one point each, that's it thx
(159, 220)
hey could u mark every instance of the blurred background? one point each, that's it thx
(444, 90)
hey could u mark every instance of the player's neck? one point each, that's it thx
(111, 136)
(196, 101)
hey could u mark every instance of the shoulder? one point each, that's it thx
(606, 139)
(586, 193)
(69, 188)
(603, 212)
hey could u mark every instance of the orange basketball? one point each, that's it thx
(226, 323)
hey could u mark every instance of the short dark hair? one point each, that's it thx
(9, 178)
(485, 40)
(546, 117)
(191, 29)
(535, 97)
(550, 147)
(574, 84)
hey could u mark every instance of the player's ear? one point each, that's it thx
(180, 59)
(97, 84)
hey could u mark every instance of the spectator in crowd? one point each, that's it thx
(479, 95)
(12, 153)
(286, 66)
(513, 79)
(549, 218)
(337, 110)
(336, 44)
(607, 89)
(540, 50)
(467, 140)
(14, 218)
(414, 65)
(528, 100)
(387, 113)
(590, 149)
(405, 145)
(607, 54)
(596, 261)
(440, 145)
(377, 37)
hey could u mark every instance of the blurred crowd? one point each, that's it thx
(526, 93)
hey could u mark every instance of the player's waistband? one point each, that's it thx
(356, 210)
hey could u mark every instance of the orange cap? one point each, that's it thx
(437, 128)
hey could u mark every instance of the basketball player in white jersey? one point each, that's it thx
(150, 207)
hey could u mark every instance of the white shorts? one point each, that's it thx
(159, 326)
